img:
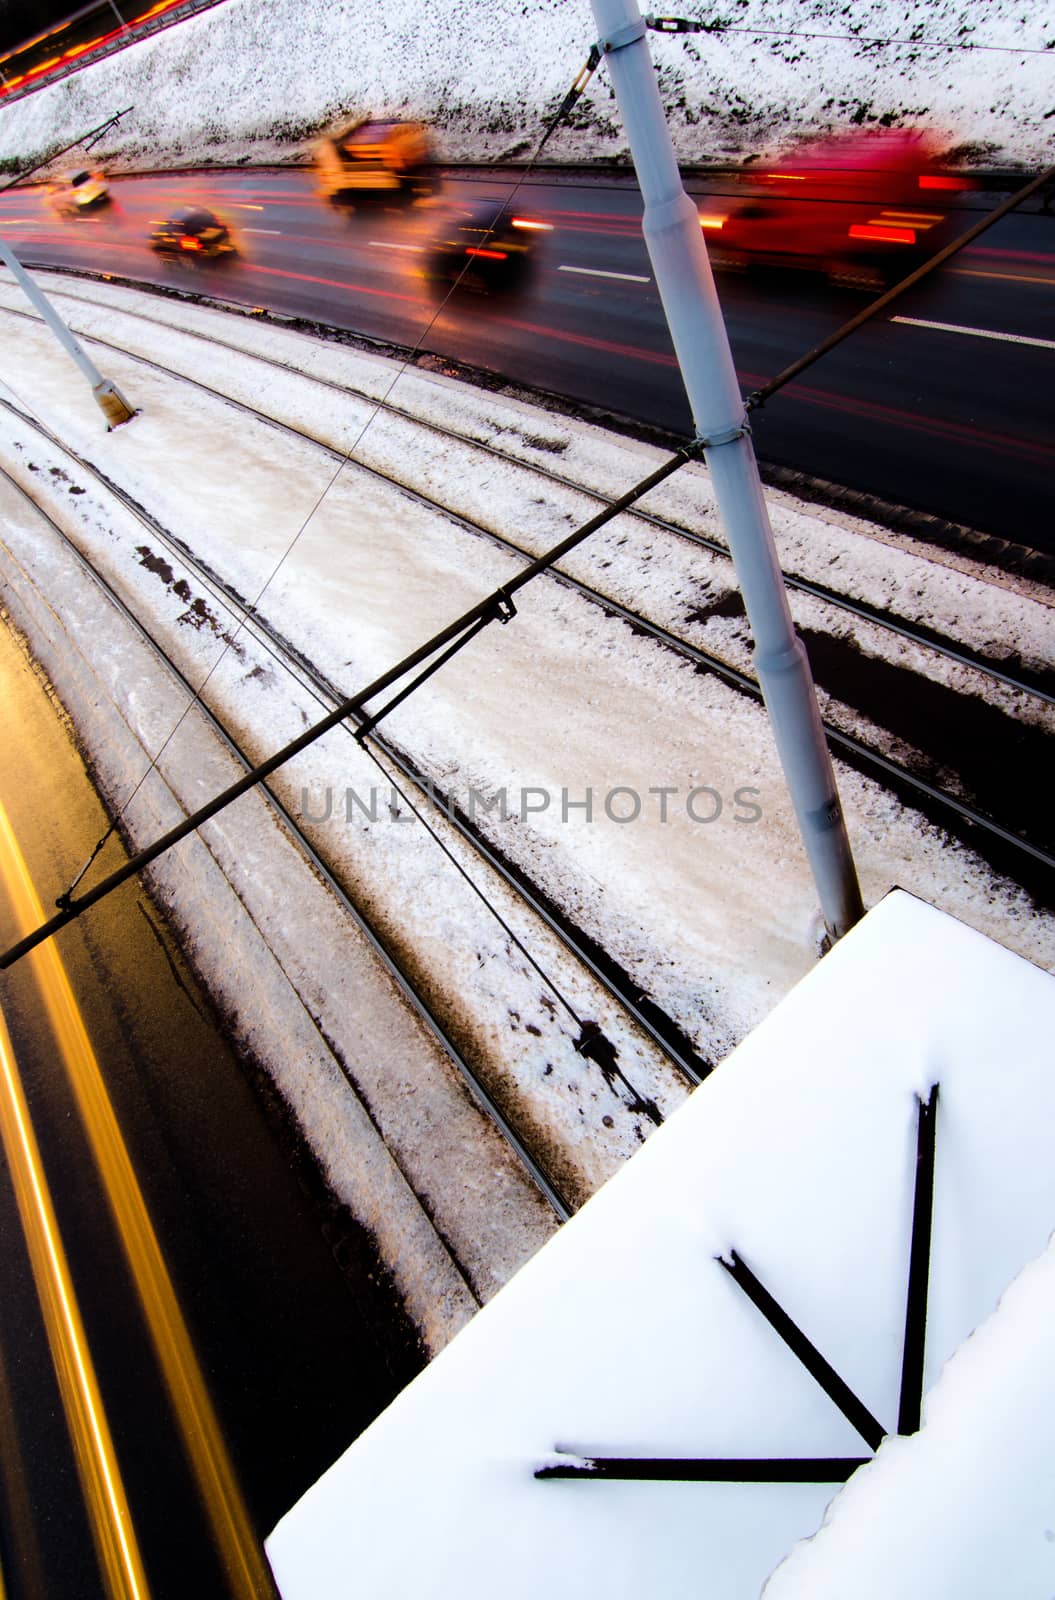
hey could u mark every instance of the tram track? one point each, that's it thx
(1000, 838)
(396, 969)
(660, 1029)
(1038, 684)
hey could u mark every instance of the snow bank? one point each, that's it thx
(241, 83)
(963, 1507)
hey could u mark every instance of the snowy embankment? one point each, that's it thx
(242, 82)
(715, 920)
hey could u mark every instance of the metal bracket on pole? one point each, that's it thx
(107, 396)
(726, 436)
(621, 37)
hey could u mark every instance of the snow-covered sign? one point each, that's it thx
(741, 1291)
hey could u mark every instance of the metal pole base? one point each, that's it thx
(112, 404)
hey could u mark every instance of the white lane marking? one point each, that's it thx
(595, 272)
(276, 231)
(977, 333)
(383, 244)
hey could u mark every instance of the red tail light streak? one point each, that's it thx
(931, 180)
(876, 230)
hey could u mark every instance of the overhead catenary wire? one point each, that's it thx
(87, 139)
(495, 606)
(861, 609)
(718, 27)
(592, 1043)
(416, 811)
(373, 936)
(561, 112)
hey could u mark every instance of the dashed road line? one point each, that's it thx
(976, 333)
(595, 272)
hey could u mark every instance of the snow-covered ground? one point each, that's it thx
(715, 919)
(252, 81)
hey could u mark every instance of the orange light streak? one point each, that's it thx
(109, 1517)
(248, 1574)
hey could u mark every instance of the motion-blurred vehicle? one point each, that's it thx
(77, 193)
(486, 247)
(193, 234)
(862, 208)
(375, 161)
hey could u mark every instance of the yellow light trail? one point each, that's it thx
(104, 1494)
(1001, 277)
(247, 1571)
(913, 216)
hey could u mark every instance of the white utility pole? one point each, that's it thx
(107, 395)
(678, 253)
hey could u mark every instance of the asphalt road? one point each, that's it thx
(956, 420)
(298, 1342)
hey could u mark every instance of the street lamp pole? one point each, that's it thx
(107, 395)
(678, 254)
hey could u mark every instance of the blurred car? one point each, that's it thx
(375, 161)
(78, 192)
(192, 234)
(485, 247)
(861, 208)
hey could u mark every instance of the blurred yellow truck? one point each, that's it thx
(375, 161)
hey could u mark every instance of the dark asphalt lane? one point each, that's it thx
(952, 423)
(300, 1341)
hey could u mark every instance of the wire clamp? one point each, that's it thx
(727, 436)
(65, 901)
(630, 34)
(573, 94)
(674, 25)
(504, 610)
